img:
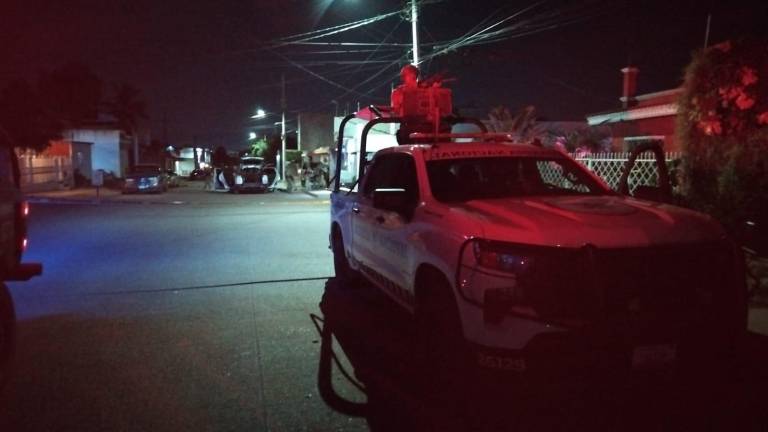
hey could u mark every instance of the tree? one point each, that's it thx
(25, 118)
(723, 126)
(154, 151)
(522, 125)
(266, 147)
(127, 106)
(259, 147)
(73, 92)
(585, 140)
(220, 158)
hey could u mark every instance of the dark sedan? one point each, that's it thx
(147, 178)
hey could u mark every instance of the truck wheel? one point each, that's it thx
(344, 273)
(7, 333)
(440, 343)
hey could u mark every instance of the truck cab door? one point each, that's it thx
(388, 198)
(631, 183)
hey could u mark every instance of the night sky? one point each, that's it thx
(204, 67)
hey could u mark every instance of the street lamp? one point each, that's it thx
(260, 113)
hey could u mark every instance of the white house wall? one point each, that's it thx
(105, 153)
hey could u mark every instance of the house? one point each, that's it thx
(80, 152)
(110, 147)
(184, 159)
(641, 118)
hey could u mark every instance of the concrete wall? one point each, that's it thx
(106, 152)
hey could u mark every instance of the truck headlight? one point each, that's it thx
(551, 284)
(515, 265)
(502, 257)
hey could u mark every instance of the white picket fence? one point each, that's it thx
(609, 167)
(40, 173)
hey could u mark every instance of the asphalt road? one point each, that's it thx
(221, 314)
(173, 317)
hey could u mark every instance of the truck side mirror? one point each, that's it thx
(396, 200)
(755, 237)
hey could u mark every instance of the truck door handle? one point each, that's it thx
(355, 210)
(380, 219)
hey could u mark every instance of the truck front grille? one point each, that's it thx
(650, 287)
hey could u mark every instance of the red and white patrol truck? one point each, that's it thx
(520, 257)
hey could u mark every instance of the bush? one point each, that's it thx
(723, 127)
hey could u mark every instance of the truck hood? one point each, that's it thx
(603, 221)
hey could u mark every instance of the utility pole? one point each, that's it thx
(165, 128)
(706, 32)
(194, 152)
(415, 31)
(282, 130)
(135, 137)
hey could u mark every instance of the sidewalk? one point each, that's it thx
(321, 193)
(189, 192)
(758, 319)
(79, 195)
(758, 306)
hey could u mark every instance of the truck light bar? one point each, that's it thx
(487, 136)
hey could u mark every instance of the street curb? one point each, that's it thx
(43, 200)
(315, 194)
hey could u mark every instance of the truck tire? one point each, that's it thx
(440, 344)
(7, 333)
(346, 275)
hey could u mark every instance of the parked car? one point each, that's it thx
(173, 178)
(251, 161)
(146, 178)
(255, 179)
(199, 174)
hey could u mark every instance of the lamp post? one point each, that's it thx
(282, 134)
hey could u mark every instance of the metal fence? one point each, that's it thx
(609, 167)
(40, 173)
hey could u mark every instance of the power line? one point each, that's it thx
(317, 34)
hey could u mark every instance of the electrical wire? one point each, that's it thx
(467, 39)
(482, 33)
(317, 34)
(391, 32)
(316, 75)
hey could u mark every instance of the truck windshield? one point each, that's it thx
(456, 180)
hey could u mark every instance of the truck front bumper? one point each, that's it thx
(24, 272)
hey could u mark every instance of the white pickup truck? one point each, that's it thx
(517, 257)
